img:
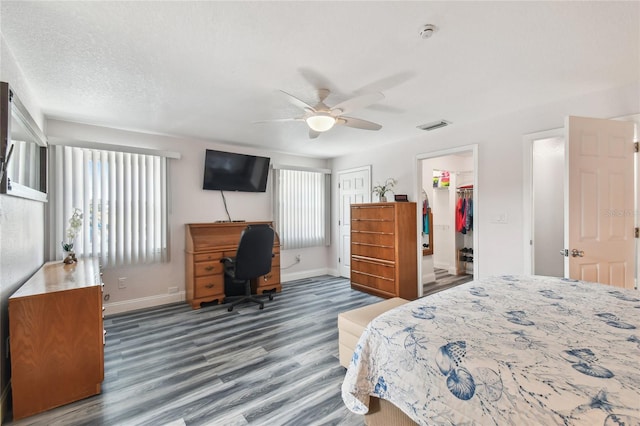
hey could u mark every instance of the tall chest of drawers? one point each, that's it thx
(384, 249)
(56, 337)
(206, 244)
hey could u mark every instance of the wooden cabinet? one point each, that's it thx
(384, 249)
(206, 244)
(56, 337)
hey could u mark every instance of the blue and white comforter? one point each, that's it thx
(505, 351)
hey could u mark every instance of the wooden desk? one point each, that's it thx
(56, 337)
(205, 245)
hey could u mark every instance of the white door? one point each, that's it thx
(354, 187)
(599, 205)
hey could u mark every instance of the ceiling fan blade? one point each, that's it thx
(276, 120)
(357, 102)
(358, 123)
(299, 103)
(313, 134)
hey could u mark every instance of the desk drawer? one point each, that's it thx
(209, 286)
(208, 268)
(204, 257)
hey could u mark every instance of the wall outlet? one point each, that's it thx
(173, 290)
(122, 282)
(297, 258)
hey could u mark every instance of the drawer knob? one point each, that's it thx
(209, 268)
(267, 277)
(210, 285)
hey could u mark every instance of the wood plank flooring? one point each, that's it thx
(174, 366)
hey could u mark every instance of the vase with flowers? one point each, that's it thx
(75, 224)
(381, 190)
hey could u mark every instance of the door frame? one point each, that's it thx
(367, 169)
(527, 188)
(417, 164)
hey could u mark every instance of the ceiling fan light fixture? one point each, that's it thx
(320, 122)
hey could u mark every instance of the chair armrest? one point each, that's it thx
(227, 260)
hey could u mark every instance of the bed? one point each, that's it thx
(505, 350)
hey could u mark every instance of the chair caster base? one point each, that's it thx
(230, 308)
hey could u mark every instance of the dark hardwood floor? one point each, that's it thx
(176, 366)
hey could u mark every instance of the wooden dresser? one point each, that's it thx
(384, 249)
(206, 244)
(56, 337)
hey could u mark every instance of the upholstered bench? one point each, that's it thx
(351, 324)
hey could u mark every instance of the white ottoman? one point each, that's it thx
(351, 324)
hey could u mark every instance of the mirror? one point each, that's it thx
(23, 150)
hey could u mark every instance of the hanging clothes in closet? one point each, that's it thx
(425, 212)
(464, 210)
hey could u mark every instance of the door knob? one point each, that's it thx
(577, 253)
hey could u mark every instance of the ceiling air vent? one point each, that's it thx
(434, 125)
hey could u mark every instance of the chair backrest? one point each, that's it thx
(255, 252)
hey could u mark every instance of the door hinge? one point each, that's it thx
(637, 232)
(636, 146)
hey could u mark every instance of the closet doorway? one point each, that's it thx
(448, 239)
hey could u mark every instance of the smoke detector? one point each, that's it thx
(427, 31)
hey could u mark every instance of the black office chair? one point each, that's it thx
(253, 259)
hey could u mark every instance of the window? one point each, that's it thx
(123, 197)
(302, 207)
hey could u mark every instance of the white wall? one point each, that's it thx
(548, 209)
(148, 285)
(21, 224)
(500, 161)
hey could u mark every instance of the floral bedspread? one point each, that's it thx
(505, 351)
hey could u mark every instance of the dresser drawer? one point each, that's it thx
(383, 284)
(368, 267)
(376, 238)
(203, 257)
(375, 252)
(209, 286)
(375, 213)
(385, 227)
(208, 268)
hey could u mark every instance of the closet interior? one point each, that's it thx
(447, 209)
(464, 229)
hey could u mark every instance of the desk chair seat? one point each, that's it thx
(252, 260)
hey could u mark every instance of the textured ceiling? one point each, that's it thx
(210, 69)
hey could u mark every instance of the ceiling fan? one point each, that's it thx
(321, 118)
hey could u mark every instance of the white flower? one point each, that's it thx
(380, 190)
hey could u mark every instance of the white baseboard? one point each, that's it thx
(429, 278)
(292, 276)
(165, 299)
(144, 302)
(442, 265)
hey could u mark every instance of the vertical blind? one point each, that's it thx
(302, 207)
(123, 197)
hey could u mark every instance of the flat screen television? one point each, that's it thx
(228, 171)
